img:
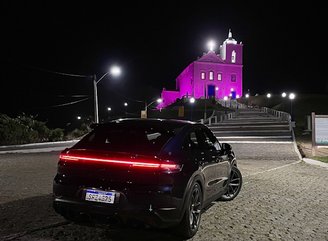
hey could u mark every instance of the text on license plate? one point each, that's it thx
(99, 196)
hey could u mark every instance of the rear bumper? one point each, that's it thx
(154, 208)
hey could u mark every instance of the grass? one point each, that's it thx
(321, 158)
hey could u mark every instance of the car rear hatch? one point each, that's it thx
(108, 170)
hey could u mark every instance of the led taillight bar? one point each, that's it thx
(141, 164)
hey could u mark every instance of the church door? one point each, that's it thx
(210, 91)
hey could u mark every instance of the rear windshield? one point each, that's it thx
(133, 139)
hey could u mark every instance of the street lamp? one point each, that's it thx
(109, 109)
(192, 102)
(268, 97)
(283, 95)
(78, 117)
(125, 104)
(159, 100)
(247, 99)
(225, 98)
(291, 97)
(114, 71)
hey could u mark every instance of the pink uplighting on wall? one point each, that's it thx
(210, 76)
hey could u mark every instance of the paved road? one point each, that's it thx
(281, 199)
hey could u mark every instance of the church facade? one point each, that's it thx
(210, 76)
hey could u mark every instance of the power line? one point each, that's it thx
(57, 72)
(69, 103)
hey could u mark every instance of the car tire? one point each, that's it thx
(234, 185)
(192, 216)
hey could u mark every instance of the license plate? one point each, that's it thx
(99, 196)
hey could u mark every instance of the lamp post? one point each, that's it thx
(268, 97)
(225, 98)
(109, 109)
(159, 100)
(291, 97)
(247, 98)
(114, 71)
(191, 101)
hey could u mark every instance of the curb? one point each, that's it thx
(315, 162)
(39, 144)
(295, 146)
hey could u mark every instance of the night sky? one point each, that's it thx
(284, 47)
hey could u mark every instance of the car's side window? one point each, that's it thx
(193, 140)
(210, 140)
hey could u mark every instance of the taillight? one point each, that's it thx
(166, 166)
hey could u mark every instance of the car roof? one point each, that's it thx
(166, 123)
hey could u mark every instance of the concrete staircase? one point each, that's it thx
(252, 125)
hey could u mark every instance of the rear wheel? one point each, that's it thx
(234, 186)
(191, 219)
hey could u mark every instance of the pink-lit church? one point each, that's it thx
(212, 75)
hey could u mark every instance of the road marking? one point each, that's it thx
(247, 126)
(273, 169)
(255, 131)
(263, 142)
(254, 137)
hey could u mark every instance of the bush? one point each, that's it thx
(56, 134)
(77, 133)
(26, 129)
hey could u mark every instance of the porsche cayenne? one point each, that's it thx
(160, 172)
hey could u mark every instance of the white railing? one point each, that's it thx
(218, 116)
(233, 104)
(279, 114)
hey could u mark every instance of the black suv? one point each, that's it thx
(160, 172)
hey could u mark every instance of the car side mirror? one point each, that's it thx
(226, 147)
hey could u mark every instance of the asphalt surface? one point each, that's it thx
(281, 199)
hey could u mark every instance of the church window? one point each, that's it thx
(233, 78)
(219, 76)
(233, 56)
(202, 75)
(211, 75)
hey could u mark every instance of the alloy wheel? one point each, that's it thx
(234, 185)
(195, 209)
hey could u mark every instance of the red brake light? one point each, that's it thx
(167, 166)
